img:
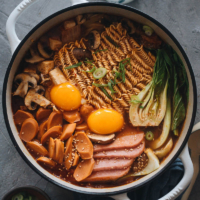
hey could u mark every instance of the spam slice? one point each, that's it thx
(128, 138)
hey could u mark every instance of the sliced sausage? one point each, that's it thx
(128, 138)
(84, 169)
(85, 110)
(42, 130)
(28, 130)
(51, 148)
(68, 153)
(55, 119)
(47, 162)
(83, 145)
(59, 151)
(53, 132)
(37, 148)
(42, 114)
(76, 159)
(72, 116)
(122, 153)
(20, 116)
(111, 164)
(82, 127)
(111, 175)
(68, 130)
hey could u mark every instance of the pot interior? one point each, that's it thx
(62, 16)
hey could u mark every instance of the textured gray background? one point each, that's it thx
(181, 17)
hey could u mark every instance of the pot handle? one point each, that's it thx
(182, 185)
(10, 24)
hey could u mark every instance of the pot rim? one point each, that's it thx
(109, 5)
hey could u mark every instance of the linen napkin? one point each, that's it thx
(152, 191)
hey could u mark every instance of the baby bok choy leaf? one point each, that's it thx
(152, 100)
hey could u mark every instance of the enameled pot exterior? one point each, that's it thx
(57, 18)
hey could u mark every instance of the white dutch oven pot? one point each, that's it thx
(19, 48)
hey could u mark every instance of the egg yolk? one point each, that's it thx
(65, 96)
(105, 121)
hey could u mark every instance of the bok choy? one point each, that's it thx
(169, 83)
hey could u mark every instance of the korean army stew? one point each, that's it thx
(100, 100)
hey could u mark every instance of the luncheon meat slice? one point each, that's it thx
(103, 176)
(128, 138)
(112, 164)
(121, 153)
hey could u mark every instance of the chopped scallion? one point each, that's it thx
(74, 66)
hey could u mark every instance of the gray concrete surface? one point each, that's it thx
(181, 17)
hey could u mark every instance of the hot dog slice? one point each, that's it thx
(83, 145)
(42, 114)
(82, 127)
(37, 148)
(55, 119)
(51, 148)
(59, 151)
(68, 130)
(53, 132)
(47, 162)
(28, 130)
(72, 116)
(20, 116)
(68, 153)
(84, 169)
(76, 159)
(42, 130)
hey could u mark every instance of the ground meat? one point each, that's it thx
(140, 163)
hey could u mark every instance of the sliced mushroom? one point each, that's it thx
(57, 76)
(44, 48)
(55, 44)
(69, 24)
(46, 82)
(46, 66)
(24, 80)
(82, 54)
(36, 76)
(94, 39)
(34, 97)
(80, 19)
(33, 56)
(101, 139)
(128, 25)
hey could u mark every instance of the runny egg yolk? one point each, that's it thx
(105, 121)
(65, 96)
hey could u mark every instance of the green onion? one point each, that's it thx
(111, 88)
(99, 73)
(100, 85)
(141, 106)
(100, 51)
(91, 71)
(73, 66)
(135, 101)
(148, 30)
(105, 92)
(149, 135)
(18, 197)
(112, 41)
